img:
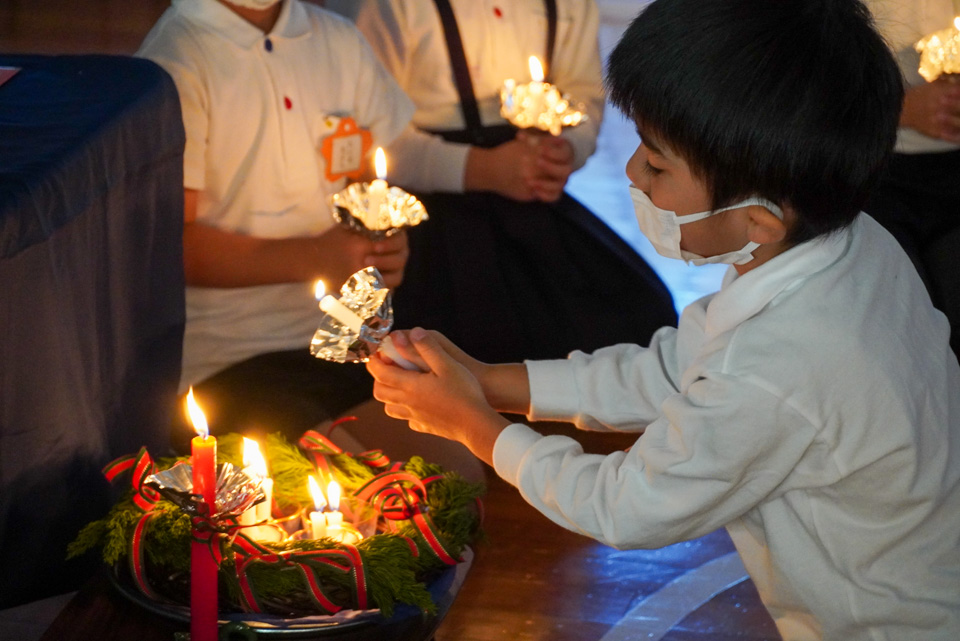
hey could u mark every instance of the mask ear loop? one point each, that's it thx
(692, 218)
(747, 249)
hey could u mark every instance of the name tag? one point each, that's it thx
(345, 149)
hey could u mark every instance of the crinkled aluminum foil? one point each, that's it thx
(366, 296)
(940, 53)
(398, 210)
(236, 492)
(519, 105)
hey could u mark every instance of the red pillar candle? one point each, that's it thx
(203, 566)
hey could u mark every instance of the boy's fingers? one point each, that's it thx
(396, 411)
(385, 373)
(429, 349)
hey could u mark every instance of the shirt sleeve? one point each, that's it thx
(185, 67)
(617, 388)
(382, 106)
(714, 453)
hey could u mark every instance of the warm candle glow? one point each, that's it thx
(252, 458)
(197, 417)
(536, 69)
(956, 23)
(333, 495)
(380, 163)
(319, 502)
(319, 290)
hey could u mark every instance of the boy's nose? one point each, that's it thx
(635, 173)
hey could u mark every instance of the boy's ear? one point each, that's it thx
(763, 227)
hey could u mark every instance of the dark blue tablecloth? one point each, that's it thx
(91, 297)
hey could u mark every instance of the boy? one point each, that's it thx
(811, 405)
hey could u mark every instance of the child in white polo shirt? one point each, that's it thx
(263, 83)
(812, 405)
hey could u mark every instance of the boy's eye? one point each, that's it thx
(650, 169)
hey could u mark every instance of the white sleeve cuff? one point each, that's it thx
(553, 390)
(510, 448)
(448, 164)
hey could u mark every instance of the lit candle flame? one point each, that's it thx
(536, 69)
(318, 501)
(956, 23)
(253, 459)
(197, 418)
(380, 163)
(319, 290)
(333, 495)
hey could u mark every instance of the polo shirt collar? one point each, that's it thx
(293, 21)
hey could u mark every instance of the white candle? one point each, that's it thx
(334, 516)
(331, 305)
(388, 348)
(318, 521)
(255, 467)
(537, 88)
(265, 509)
(377, 192)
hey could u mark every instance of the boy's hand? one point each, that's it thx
(343, 252)
(445, 401)
(390, 257)
(551, 168)
(404, 344)
(933, 108)
(502, 169)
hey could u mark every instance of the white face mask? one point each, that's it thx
(662, 229)
(254, 4)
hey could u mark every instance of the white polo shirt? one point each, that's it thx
(498, 39)
(256, 109)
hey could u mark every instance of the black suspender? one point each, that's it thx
(461, 72)
(551, 36)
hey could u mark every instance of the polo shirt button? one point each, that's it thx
(267, 44)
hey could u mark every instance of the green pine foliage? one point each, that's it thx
(394, 575)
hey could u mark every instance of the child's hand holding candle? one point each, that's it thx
(332, 306)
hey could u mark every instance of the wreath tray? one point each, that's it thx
(442, 590)
(426, 518)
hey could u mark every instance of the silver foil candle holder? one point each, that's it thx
(236, 492)
(376, 209)
(362, 319)
(538, 104)
(940, 52)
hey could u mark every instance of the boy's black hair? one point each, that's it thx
(796, 101)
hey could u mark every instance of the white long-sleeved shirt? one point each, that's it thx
(812, 407)
(498, 39)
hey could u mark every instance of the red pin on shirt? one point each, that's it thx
(287, 103)
(497, 12)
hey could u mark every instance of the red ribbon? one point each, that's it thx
(142, 466)
(395, 494)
